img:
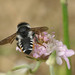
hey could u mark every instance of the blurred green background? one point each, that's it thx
(36, 13)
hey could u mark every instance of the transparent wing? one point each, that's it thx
(9, 39)
(39, 29)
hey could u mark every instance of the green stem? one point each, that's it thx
(65, 27)
(51, 70)
(28, 67)
(65, 23)
(20, 67)
(36, 67)
(51, 62)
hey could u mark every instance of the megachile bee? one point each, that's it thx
(24, 37)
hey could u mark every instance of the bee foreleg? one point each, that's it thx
(37, 41)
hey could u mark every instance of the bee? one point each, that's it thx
(24, 37)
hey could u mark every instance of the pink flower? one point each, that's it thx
(63, 52)
(48, 44)
(47, 47)
(17, 48)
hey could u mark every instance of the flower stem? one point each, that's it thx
(65, 26)
(36, 67)
(28, 67)
(51, 62)
(20, 67)
(51, 70)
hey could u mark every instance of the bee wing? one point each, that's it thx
(9, 39)
(39, 29)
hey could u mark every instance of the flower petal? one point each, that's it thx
(17, 49)
(59, 60)
(45, 38)
(60, 53)
(45, 33)
(67, 61)
(70, 53)
(35, 55)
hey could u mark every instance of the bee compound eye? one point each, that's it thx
(17, 39)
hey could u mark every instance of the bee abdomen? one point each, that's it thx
(26, 45)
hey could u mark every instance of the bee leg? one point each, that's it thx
(36, 39)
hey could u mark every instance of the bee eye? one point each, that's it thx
(17, 39)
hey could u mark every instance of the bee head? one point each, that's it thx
(23, 29)
(23, 24)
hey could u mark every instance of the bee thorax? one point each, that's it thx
(30, 34)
